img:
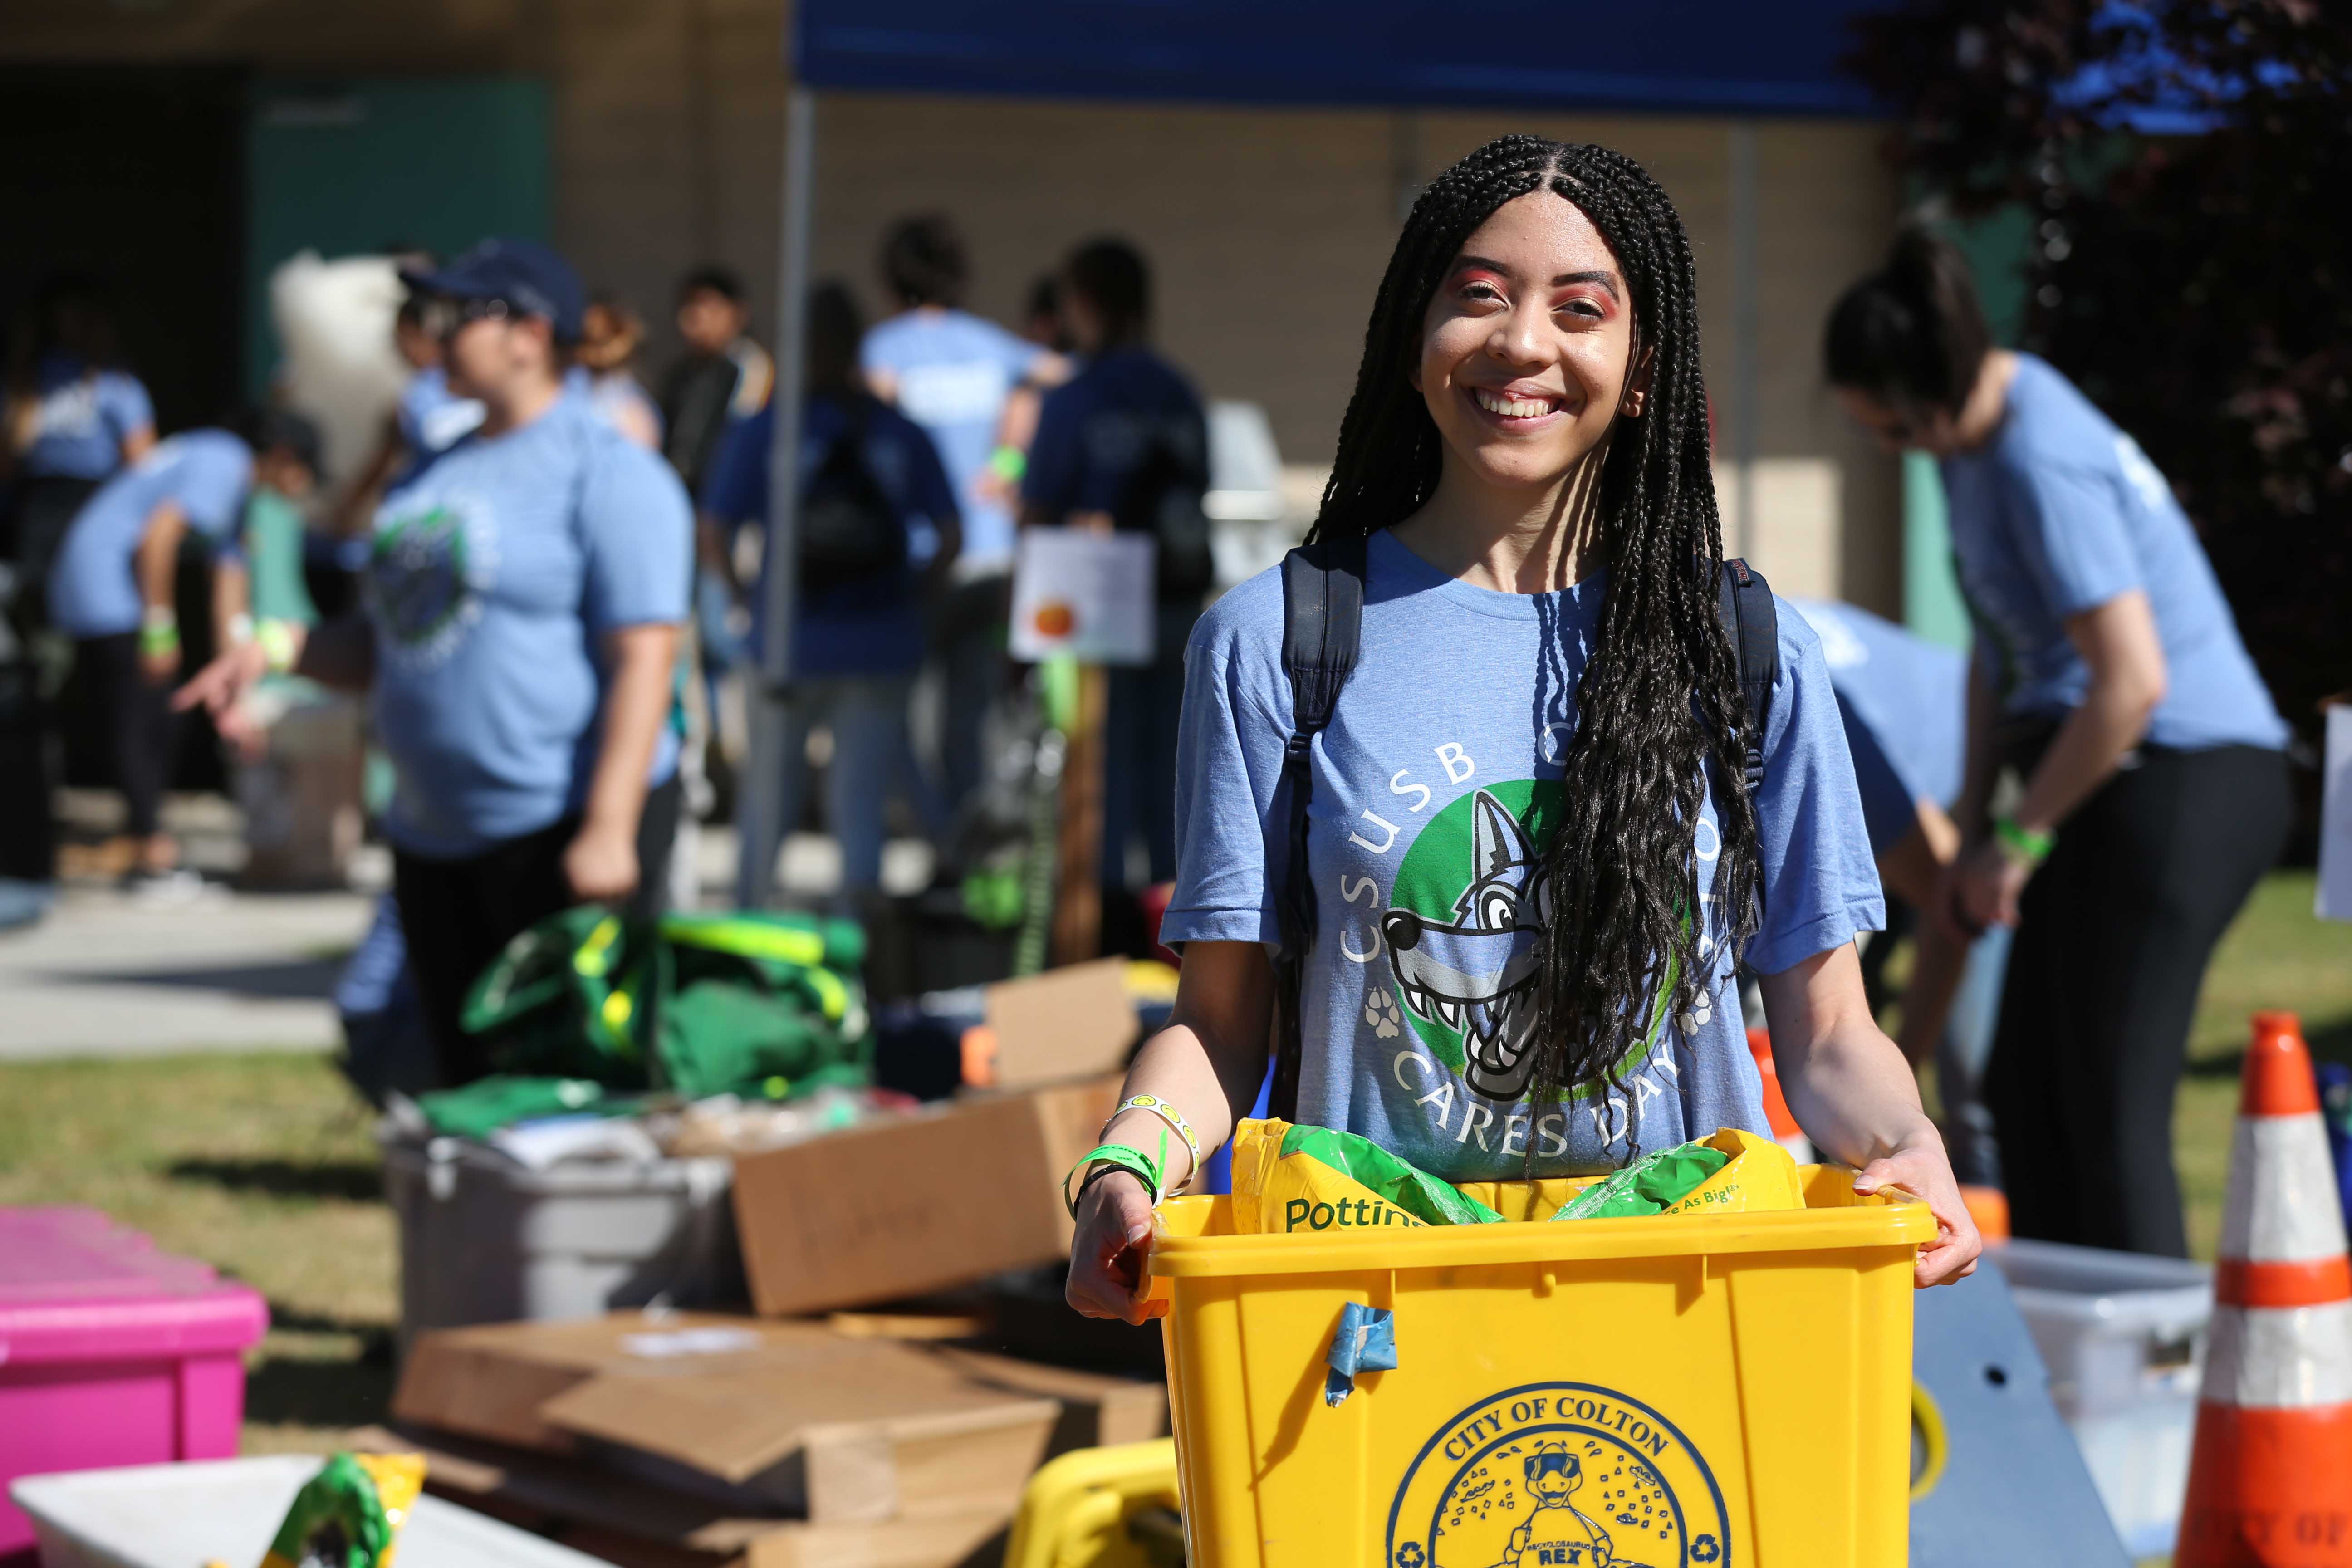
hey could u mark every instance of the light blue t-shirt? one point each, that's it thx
(1434, 789)
(494, 575)
(1904, 703)
(954, 372)
(2059, 512)
(81, 418)
(93, 583)
(432, 418)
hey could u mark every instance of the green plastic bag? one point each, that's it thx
(1651, 1185)
(1368, 1164)
(759, 1004)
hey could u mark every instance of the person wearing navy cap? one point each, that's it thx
(522, 601)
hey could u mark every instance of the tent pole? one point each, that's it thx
(1746, 392)
(760, 813)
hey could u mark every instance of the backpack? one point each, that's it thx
(1322, 621)
(849, 531)
(1162, 498)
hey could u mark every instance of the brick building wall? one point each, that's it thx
(1268, 229)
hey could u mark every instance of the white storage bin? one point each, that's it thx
(2124, 1338)
(178, 1516)
(485, 1239)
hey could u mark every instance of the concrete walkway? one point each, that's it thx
(105, 975)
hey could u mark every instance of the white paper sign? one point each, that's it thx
(2336, 818)
(1085, 594)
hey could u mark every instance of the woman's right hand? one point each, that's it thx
(1107, 1253)
(221, 685)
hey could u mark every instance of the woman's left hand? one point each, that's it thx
(1921, 1168)
(602, 865)
(1990, 885)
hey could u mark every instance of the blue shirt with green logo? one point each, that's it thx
(1435, 788)
(494, 575)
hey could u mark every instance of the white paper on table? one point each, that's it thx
(2335, 901)
(1085, 594)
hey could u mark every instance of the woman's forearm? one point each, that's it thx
(2119, 645)
(1209, 1061)
(1847, 1083)
(636, 700)
(158, 562)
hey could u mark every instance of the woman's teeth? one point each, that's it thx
(1514, 407)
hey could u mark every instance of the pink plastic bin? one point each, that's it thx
(110, 1353)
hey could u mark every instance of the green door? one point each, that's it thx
(354, 165)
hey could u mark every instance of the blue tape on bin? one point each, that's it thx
(1365, 1343)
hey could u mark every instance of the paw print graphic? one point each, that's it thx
(1704, 1550)
(1409, 1555)
(1698, 1015)
(1381, 1013)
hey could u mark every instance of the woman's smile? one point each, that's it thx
(1516, 408)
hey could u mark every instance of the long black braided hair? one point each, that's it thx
(1660, 696)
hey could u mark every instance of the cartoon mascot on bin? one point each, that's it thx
(1555, 1535)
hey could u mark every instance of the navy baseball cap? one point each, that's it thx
(524, 273)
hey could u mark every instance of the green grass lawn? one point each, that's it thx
(263, 1165)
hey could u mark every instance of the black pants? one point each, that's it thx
(458, 914)
(138, 717)
(2111, 948)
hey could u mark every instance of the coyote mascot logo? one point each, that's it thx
(1477, 975)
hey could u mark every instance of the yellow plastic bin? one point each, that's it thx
(1717, 1390)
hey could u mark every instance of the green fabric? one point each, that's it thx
(758, 1004)
(1415, 1191)
(1651, 1185)
(273, 560)
(338, 1505)
(482, 1107)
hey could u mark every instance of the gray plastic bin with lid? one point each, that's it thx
(2124, 1338)
(486, 1239)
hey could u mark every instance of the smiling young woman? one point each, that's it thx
(1530, 838)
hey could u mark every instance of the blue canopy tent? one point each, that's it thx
(1731, 58)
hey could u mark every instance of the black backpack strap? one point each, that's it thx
(1322, 623)
(1752, 622)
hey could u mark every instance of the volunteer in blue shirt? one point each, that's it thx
(1903, 704)
(973, 387)
(2142, 781)
(1124, 444)
(1532, 853)
(523, 597)
(74, 417)
(112, 589)
(857, 635)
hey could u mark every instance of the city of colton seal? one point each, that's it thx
(1558, 1474)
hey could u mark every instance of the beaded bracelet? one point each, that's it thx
(1152, 1105)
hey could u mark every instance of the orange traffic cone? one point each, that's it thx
(2270, 1481)
(1785, 1131)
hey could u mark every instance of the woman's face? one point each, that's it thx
(496, 358)
(1932, 431)
(1525, 343)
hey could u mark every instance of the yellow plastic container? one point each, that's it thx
(1082, 1511)
(1697, 1390)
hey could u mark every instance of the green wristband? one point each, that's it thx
(160, 636)
(1111, 1157)
(1008, 463)
(2022, 844)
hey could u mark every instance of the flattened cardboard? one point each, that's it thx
(913, 1205)
(1071, 1022)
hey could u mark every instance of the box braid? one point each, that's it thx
(1659, 700)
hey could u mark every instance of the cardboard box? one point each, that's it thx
(922, 1204)
(634, 1525)
(1071, 1023)
(782, 1416)
(757, 1416)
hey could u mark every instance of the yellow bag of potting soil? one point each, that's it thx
(1761, 1177)
(1525, 1200)
(1288, 1178)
